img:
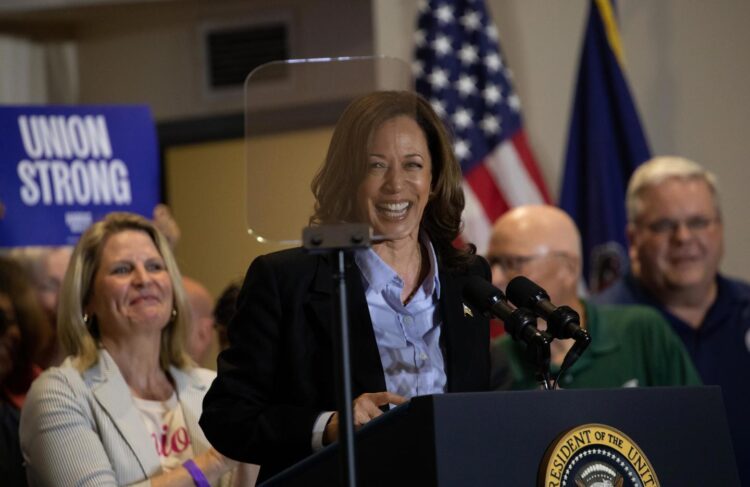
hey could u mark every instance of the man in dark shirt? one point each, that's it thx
(676, 243)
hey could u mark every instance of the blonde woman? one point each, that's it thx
(123, 408)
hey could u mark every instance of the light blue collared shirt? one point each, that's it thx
(408, 336)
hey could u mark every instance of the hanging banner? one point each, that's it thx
(64, 167)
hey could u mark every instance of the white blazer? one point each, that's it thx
(81, 429)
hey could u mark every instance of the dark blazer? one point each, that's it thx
(278, 374)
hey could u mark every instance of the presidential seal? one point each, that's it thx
(595, 455)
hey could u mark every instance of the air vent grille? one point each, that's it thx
(234, 52)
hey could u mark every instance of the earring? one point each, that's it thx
(85, 318)
(174, 313)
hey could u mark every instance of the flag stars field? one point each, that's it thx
(514, 102)
(461, 149)
(471, 21)
(490, 124)
(417, 68)
(493, 62)
(442, 45)
(492, 95)
(466, 85)
(419, 38)
(468, 54)
(491, 31)
(439, 107)
(438, 79)
(462, 118)
(444, 14)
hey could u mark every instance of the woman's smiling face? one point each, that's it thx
(394, 193)
(132, 290)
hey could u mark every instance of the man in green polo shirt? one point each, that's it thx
(631, 345)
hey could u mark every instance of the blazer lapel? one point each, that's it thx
(320, 299)
(366, 368)
(456, 342)
(113, 395)
(190, 394)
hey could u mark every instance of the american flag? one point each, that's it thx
(460, 69)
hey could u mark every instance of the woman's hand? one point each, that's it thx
(212, 463)
(365, 408)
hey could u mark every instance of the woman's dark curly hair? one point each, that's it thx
(346, 165)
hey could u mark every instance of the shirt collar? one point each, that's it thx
(377, 274)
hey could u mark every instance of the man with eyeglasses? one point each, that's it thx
(631, 345)
(676, 244)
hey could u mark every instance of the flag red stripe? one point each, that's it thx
(524, 152)
(488, 194)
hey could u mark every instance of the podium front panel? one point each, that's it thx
(682, 431)
(500, 438)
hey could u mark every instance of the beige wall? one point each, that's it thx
(206, 186)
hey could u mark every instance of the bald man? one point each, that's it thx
(631, 345)
(201, 333)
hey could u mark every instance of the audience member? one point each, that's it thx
(46, 267)
(225, 308)
(123, 408)
(34, 334)
(675, 232)
(166, 224)
(201, 331)
(631, 345)
(390, 164)
(23, 335)
(11, 461)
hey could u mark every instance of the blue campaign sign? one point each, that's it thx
(64, 167)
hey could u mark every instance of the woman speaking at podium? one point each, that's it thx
(390, 164)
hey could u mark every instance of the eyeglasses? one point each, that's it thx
(668, 226)
(514, 263)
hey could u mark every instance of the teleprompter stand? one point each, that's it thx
(339, 241)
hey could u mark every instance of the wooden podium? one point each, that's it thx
(500, 438)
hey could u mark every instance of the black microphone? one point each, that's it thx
(519, 323)
(562, 321)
